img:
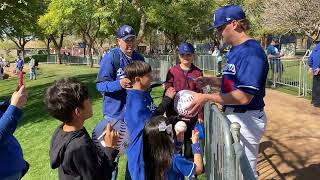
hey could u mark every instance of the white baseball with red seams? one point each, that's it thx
(180, 126)
(182, 101)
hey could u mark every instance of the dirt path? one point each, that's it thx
(290, 148)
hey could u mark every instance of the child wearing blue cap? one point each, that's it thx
(182, 77)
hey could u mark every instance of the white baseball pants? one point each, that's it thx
(253, 125)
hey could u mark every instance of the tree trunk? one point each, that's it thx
(143, 20)
(48, 48)
(58, 47)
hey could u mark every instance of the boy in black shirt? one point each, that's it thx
(72, 150)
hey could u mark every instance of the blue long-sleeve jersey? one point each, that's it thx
(112, 67)
(314, 58)
(139, 109)
(10, 150)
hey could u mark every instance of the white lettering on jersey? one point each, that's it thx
(152, 107)
(120, 72)
(229, 69)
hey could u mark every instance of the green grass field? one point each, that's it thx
(35, 130)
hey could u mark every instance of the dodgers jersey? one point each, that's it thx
(246, 70)
(109, 76)
(180, 168)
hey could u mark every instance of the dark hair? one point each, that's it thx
(64, 96)
(244, 24)
(158, 149)
(137, 69)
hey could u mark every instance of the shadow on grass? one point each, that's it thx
(35, 109)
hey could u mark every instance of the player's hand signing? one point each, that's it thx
(198, 102)
(125, 83)
(170, 92)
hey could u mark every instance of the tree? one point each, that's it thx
(291, 16)
(181, 20)
(55, 25)
(19, 21)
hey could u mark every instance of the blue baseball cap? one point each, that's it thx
(226, 14)
(126, 32)
(186, 48)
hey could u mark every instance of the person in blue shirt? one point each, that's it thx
(12, 164)
(161, 161)
(112, 83)
(243, 81)
(274, 56)
(139, 109)
(19, 65)
(314, 64)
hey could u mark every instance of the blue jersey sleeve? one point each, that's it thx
(182, 166)
(270, 50)
(9, 121)
(107, 76)
(314, 58)
(310, 59)
(252, 72)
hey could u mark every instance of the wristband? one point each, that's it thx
(196, 148)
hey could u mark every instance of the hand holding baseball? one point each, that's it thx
(180, 136)
(198, 102)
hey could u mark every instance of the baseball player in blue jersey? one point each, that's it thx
(112, 83)
(243, 81)
(314, 64)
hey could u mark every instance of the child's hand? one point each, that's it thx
(195, 137)
(180, 136)
(200, 120)
(111, 137)
(125, 83)
(19, 98)
(170, 92)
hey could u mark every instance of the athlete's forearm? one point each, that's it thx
(236, 97)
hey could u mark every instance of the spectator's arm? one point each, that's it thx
(9, 121)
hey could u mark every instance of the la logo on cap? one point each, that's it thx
(127, 29)
(228, 19)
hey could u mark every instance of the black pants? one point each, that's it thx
(316, 91)
(187, 153)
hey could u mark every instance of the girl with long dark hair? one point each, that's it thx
(160, 159)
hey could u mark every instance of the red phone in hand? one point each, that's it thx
(20, 83)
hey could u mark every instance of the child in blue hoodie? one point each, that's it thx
(139, 109)
(12, 164)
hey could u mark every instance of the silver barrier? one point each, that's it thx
(288, 73)
(291, 73)
(224, 155)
